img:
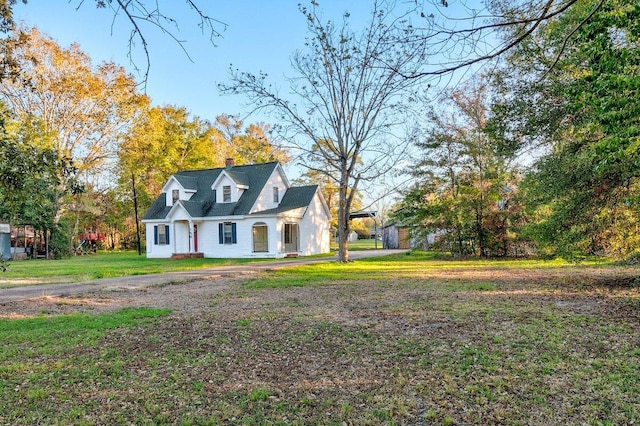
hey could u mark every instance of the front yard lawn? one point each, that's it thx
(404, 340)
(100, 265)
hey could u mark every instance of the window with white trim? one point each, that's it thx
(260, 237)
(227, 233)
(161, 235)
(226, 194)
(276, 197)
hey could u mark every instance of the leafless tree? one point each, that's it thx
(345, 108)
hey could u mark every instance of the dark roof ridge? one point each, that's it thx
(225, 168)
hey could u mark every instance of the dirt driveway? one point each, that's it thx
(154, 290)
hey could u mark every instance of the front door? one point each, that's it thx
(291, 237)
(195, 238)
(260, 238)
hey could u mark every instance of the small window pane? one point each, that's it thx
(228, 233)
(276, 198)
(226, 194)
(176, 195)
(162, 235)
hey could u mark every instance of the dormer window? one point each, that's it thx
(175, 194)
(276, 197)
(226, 194)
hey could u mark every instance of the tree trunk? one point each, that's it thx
(135, 209)
(343, 218)
(480, 232)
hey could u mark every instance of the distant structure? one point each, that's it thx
(5, 241)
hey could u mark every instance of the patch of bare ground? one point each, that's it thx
(533, 347)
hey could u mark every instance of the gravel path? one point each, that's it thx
(141, 282)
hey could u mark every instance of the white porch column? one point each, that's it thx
(173, 237)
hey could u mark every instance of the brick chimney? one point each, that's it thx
(229, 162)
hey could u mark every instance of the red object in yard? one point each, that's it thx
(93, 236)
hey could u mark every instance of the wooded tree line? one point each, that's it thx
(569, 95)
(75, 137)
(562, 86)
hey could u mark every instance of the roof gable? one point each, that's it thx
(251, 177)
(188, 183)
(296, 197)
(258, 175)
(239, 178)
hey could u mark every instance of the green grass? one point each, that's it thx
(409, 339)
(101, 265)
(61, 334)
(406, 265)
(369, 244)
(118, 264)
(45, 358)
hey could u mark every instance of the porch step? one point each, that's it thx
(187, 256)
(291, 255)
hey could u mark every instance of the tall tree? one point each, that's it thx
(465, 183)
(30, 172)
(84, 108)
(583, 109)
(251, 144)
(349, 92)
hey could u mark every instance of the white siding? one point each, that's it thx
(209, 242)
(155, 250)
(223, 181)
(265, 199)
(314, 229)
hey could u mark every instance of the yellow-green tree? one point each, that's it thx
(163, 141)
(251, 144)
(85, 108)
(82, 107)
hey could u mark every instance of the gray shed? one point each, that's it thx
(5, 241)
(395, 236)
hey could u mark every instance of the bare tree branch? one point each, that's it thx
(463, 44)
(137, 12)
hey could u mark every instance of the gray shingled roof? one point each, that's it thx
(187, 182)
(238, 177)
(295, 198)
(254, 176)
(158, 209)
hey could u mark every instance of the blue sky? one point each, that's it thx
(260, 36)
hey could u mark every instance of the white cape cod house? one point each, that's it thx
(235, 212)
